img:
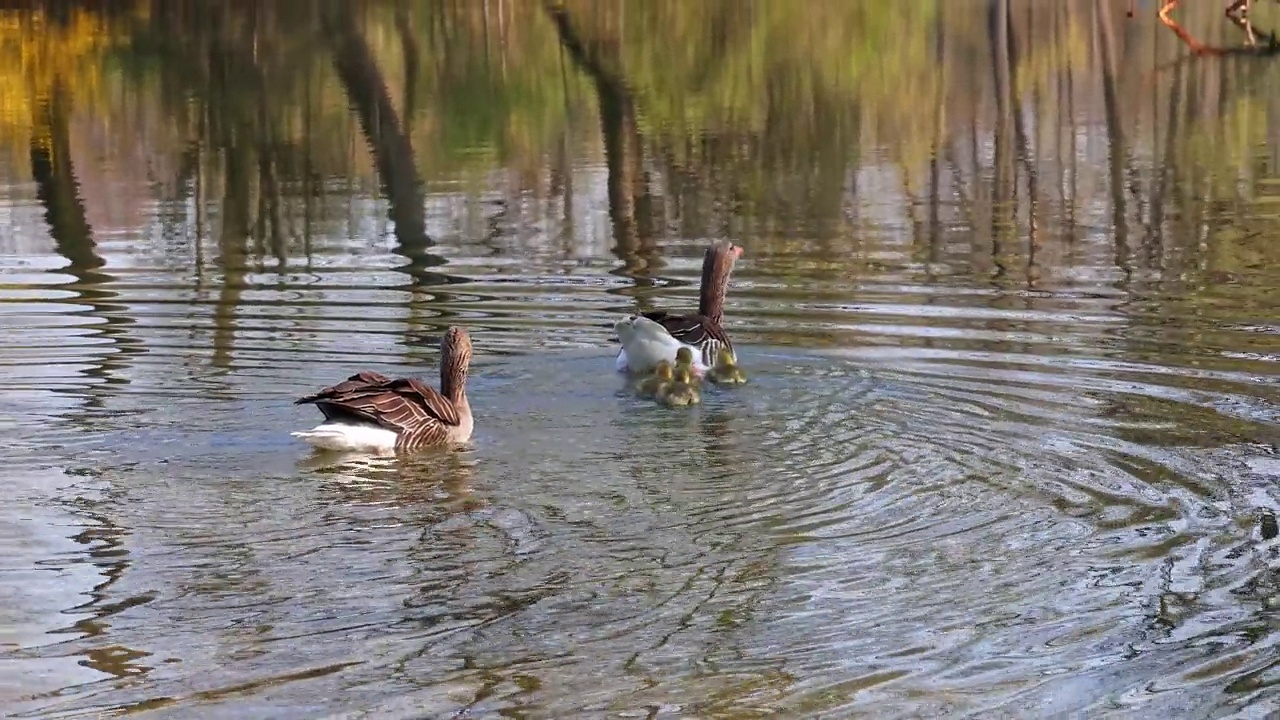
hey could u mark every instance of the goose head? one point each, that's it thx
(455, 362)
(717, 266)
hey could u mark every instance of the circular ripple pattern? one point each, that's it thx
(931, 498)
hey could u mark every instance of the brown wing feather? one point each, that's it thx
(435, 403)
(690, 329)
(355, 383)
(417, 412)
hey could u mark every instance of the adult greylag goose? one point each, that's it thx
(651, 337)
(370, 412)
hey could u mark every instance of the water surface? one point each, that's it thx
(1010, 445)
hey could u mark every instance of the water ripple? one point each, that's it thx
(934, 496)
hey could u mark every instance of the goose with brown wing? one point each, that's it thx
(651, 337)
(370, 412)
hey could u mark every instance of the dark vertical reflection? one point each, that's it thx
(622, 146)
(1162, 192)
(1003, 202)
(1072, 169)
(58, 190)
(232, 79)
(1115, 135)
(938, 144)
(1026, 153)
(56, 187)
(233, 237)
(270, 224)
(388, 141)
(106, 548)
(412, 53)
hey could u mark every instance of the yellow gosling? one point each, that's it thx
(684, 360)
(682, 391)
(657, 382)
(726, 371)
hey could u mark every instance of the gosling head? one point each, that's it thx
(683, 375)
(663, 370)
(724, 357)
(684, 356)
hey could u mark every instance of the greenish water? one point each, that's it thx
(1010, 445)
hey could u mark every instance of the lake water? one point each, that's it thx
(1010, 445)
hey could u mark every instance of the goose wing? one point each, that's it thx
(404, 405)
(692, 329)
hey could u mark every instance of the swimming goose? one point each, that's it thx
(645, 346)
(370, 412)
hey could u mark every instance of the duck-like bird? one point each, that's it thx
(651, 337)
(370, 412)
(653, 384)
(726, 371)
(683, 390)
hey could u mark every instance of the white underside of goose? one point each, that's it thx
(349, 437)
(646, 343)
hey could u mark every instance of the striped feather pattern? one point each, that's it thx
(702, 330)
(417, 413)
(696, 330)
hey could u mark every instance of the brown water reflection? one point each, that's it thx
(1008, 306)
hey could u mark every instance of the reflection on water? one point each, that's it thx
(1008, 309)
